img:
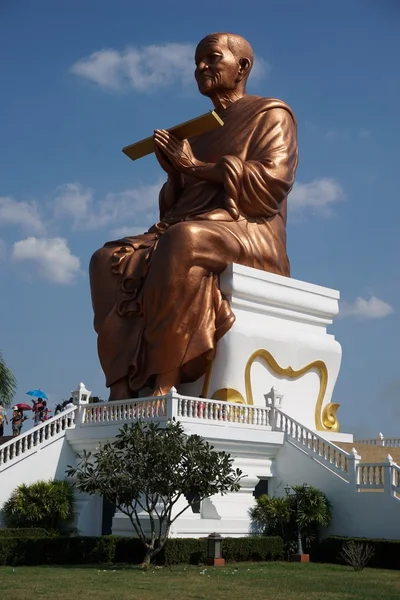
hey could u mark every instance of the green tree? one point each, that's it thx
(8, 383)
(272, 515)
(310, 511)
(147, 469)
(46, 504)
(314, 511)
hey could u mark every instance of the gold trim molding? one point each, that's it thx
(324, 419)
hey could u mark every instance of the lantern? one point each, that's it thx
(214, 555)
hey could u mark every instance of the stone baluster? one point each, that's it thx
(388, 476)
(354, 471)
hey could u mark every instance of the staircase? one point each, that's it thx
(370, 453)
(39, 453)
(342, 475)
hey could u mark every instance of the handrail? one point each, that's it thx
(313, 443)
(36, 436)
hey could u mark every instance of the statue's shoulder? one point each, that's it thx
(261, 104)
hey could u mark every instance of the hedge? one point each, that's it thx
(112, 549)
(26, 532)
(387, 552)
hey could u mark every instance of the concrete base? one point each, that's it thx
(279, 339)
(215, 562)
(300, 558)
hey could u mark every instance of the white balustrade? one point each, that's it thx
(393, 442)
(127, 411)
(314, 444)
(380, 476)
(363, 476)
(371, 476)
(36, 437)
(172, 406)
(212, 410)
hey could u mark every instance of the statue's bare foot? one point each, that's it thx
(165, 382)
(120, 390)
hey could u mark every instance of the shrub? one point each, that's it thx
(106, 549)
(386, 552)
(43, 504)
(356, 554)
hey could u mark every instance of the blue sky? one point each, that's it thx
(80, 80)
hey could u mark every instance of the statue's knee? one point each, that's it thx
(99, 260)
(181, 236)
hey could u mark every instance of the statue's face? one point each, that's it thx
(216, 67)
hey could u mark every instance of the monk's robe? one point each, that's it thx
(156, 297)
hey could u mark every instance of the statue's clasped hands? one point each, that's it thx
(178, 153)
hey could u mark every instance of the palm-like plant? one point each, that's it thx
(46, 504)
(314, 509)
(271, 515)
(309, 511)
(8, 383)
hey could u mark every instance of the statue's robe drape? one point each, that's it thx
(156, 296)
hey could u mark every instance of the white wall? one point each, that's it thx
(48, 461)
(359, 514)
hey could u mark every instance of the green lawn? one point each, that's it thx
(255, 581)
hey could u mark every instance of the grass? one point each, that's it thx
(258, 581)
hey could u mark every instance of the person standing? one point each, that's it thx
(16, 421)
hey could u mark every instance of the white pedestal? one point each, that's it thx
(279, 339)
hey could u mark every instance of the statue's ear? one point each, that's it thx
(244, 68)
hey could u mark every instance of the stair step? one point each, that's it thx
(370, 453)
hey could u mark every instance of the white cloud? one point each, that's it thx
(22, 214)
(52, 257)
(72, 200)
(143, 69)
(374, 308)
(147, 68)
(78, 204)
(317, 196)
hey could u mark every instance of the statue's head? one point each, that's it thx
(223, 63)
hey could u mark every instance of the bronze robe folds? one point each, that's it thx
(156, 296)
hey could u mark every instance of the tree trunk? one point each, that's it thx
(145, 564)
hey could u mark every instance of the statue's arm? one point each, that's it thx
(169, 194)
(257, 186)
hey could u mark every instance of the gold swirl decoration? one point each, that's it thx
(325, 421)
(329, 418)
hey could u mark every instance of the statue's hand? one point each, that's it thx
(178, 152)
(164, 163)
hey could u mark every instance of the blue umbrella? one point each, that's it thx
(37, 394)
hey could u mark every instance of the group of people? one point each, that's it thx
(40, 415)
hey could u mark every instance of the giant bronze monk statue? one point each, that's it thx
(158, 309)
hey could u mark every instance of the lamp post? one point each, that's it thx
(214, 550)
(300, 556)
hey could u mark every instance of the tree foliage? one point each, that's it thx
(8, 383)
(148, 469)
(282, 516)
(47, 504)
